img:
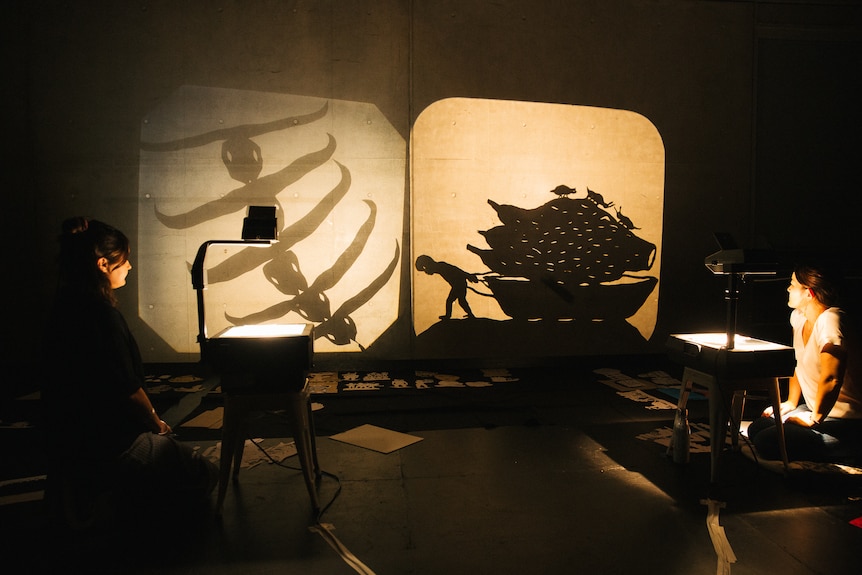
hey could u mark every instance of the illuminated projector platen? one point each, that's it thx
(265, 330)
(719, 340)
(748, 357)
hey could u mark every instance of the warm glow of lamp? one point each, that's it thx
(265, 330)
(719, 340)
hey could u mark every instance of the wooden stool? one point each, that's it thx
(238, 405)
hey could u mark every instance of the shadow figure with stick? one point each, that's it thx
(455, 277)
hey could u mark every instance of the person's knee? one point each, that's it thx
(766, 443)
(760, 425)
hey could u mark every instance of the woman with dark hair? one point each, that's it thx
(823, 411)
(104, 435)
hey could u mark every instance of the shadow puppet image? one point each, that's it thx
(338, 243)
(566, 259)
(569, 260)
(455, 277)
(555, 211)
(281, 267)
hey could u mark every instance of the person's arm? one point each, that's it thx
(794, 394)
(831, 377)
(145, 411)
(124, 372)
(832, 365)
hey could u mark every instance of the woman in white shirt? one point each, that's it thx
(823, 411)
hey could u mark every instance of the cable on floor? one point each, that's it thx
(324, 508)
(325, 530)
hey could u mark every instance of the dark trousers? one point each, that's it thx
(162, 464)
(833, 440)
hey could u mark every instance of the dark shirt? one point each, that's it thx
(95, 366)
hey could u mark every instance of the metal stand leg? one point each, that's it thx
(684, 392)
(737, 406)
(717, 425)
(717, 413)
(730, 393)
(235, 432)
(231, 448)
(303, 436)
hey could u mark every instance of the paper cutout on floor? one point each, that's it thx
(323, 382)
(211, 419)
(185, 379)
(651, 401)
(500, 375)
(450, 383)
(254, 453)
(621, 382)
(363, 386)
(191, 389)
(699, 441)
(157, 389)
(478, 384)
(376, 438)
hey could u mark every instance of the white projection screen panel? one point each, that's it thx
(536, 229)
(335, 170)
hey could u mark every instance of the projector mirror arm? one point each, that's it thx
(198, 277)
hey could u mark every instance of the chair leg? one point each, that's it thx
(775, 397)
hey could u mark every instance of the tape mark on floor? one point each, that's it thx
(325, 531)
(723, 550)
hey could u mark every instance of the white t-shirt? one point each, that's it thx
(828, 328)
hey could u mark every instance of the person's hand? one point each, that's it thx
(805, 419)
(786, 407)
(164, 428)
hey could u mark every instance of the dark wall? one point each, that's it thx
(756, 104)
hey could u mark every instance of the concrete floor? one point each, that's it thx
(556, 473)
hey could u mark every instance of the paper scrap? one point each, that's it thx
(500, 374)
(376, 438)
(478, 384)
(211, 419)
(254, 453)
(185, 379)
(192, 389)
(641, 397)
(323, 382)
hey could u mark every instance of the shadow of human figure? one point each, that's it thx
(455, 277)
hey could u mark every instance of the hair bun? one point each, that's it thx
(76, 225)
